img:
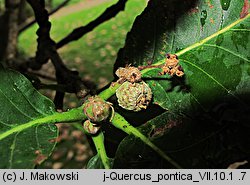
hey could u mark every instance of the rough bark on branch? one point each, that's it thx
(32, 20)
(47, 50)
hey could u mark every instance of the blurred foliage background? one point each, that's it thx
(92, 55)
(97, 50)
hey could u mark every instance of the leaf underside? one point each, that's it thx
(21, 103)
(211, 39)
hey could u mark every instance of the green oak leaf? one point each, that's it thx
(207, 110)
(22, 103)
(211, 40)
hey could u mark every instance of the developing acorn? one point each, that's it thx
(134, 96)
(129, 73)
(96, 109)
(172, 66)
(90, 127)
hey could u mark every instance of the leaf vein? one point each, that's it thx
(238, 29)
(15, 105)
(37, 140)
(197, 44)
(12, 148)
(1, 122)
(210, 76)
(27, 99)
(227, 50)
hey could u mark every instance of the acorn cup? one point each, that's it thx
(134, 96)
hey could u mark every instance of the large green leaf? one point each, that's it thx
(212, 45)
(211, 101)
(21, 103)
